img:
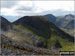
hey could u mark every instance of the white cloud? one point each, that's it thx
(19, 8)
(6, 11)
(52, 5)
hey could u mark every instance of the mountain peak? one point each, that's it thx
(70, 15)
(51, 15)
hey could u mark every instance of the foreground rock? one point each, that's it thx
(9, 46)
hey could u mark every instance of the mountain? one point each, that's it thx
(47, 32)
(66, 23)
(5, 24)
(69, 28)
(51, 18)
(62, 21)
(34, 35)
(18, 42)
(70, 25)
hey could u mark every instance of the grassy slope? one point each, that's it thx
(66, 45)
(46, 32)
(70, 31)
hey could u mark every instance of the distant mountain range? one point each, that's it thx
(37, 32)
(65, 22)
(60, 21)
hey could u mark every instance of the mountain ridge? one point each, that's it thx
(5, 24)
(38, 31)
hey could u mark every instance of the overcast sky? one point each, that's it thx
(23, 8)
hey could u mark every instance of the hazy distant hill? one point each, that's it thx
(66, 22)
(70, 25)
(62, 21)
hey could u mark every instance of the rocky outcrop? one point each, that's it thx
(9, 46)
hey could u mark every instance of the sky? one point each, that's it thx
(18, 9)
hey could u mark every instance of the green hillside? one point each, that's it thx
(48, 34)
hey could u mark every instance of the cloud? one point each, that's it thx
(58, 12)
(8, 4)
(52, 5)
(21, 8)
(25, 9)
(25, 6)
